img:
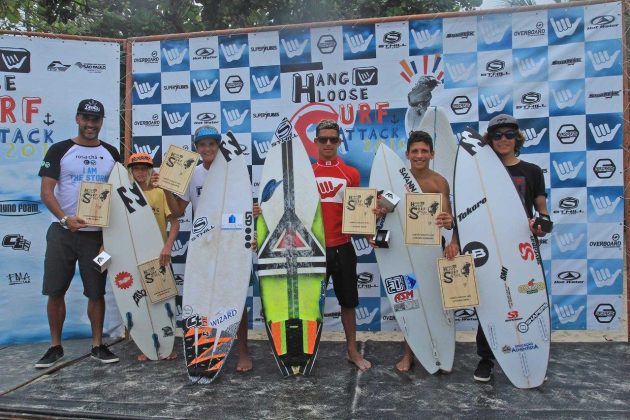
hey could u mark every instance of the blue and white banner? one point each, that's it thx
(559, 71)
(41, 83)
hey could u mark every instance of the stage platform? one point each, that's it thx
(585, 381)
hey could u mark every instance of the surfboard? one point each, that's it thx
(291, 253)
(133, 237)
(218, 266)
(492, 224)
(435, 122)
(409, 273)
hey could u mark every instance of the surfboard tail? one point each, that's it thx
(206, 349)
(294, 343)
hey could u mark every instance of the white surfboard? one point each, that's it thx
(409, 273)
(218, 266)
(492, 224)
(133, 237)
(435, 122)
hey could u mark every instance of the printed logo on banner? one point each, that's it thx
(175, 119)
(459, 34)
(203, 54)
(568, 312)
(18, 278)
(461, 105)
(233, 51)
(295, 47)
(174, 55)
(235, 116)
(528, 30)
(530, 100)
(601, 24)
(566, 97)
(569, 277)
(566, 25)
(358, 42)
(15, 60)
(146, 88)
(16, 242)
(19, 208)
(604, 168)
(605, 276)
(493, 67)
(605, 204)
(569, 241)
(180, 247)
(147, 121)
(204, 86)
(151, 145)
(494, 100)
(368, 314)
(334, 86)
(604, 313)
(261, 144)
(206, 117)
(460, 70)
(565, 63)
(57, 66)
(391, 40)
(153, 58)
(530, 64)
(494, 32)
(326, 44)
(265, 82)
(605, 241)
(569, 206)
(605, 131)
(90, 67)
(425, 37)
(535, 131)
(568, 169)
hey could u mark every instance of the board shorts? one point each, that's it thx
(63, 249)
(341, 264)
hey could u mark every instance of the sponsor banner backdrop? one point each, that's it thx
(558, 71)
(42, 81)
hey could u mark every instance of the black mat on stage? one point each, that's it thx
(586, 380)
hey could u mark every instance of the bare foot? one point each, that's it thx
(359, 361)
(245, 363)
(171, 356)
(405, 363)
(142, 358)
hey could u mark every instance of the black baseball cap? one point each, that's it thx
(502, 120)
(91, 107)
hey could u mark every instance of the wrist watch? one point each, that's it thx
(63, 221)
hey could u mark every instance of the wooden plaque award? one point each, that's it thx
(93, 204)
(458, 282)
(358, 218)
(157, 280)
(177, 168)
(420, 213)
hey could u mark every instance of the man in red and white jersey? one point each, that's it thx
(333, 176)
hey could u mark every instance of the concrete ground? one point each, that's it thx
(586, 381)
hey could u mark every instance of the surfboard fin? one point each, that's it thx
(169, 310)
(129, 321)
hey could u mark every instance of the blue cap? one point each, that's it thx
(206, 132)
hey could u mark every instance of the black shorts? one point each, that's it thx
(341, 264)
(63, 249)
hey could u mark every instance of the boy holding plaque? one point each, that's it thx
(207, 140)
(419, 153)
(140, 166)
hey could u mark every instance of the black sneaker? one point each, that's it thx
(104, 355)
(483, 373)
(52, 356)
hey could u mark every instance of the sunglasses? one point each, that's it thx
(510, 135)
(331, 140)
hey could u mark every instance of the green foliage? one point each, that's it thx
(129, 18)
